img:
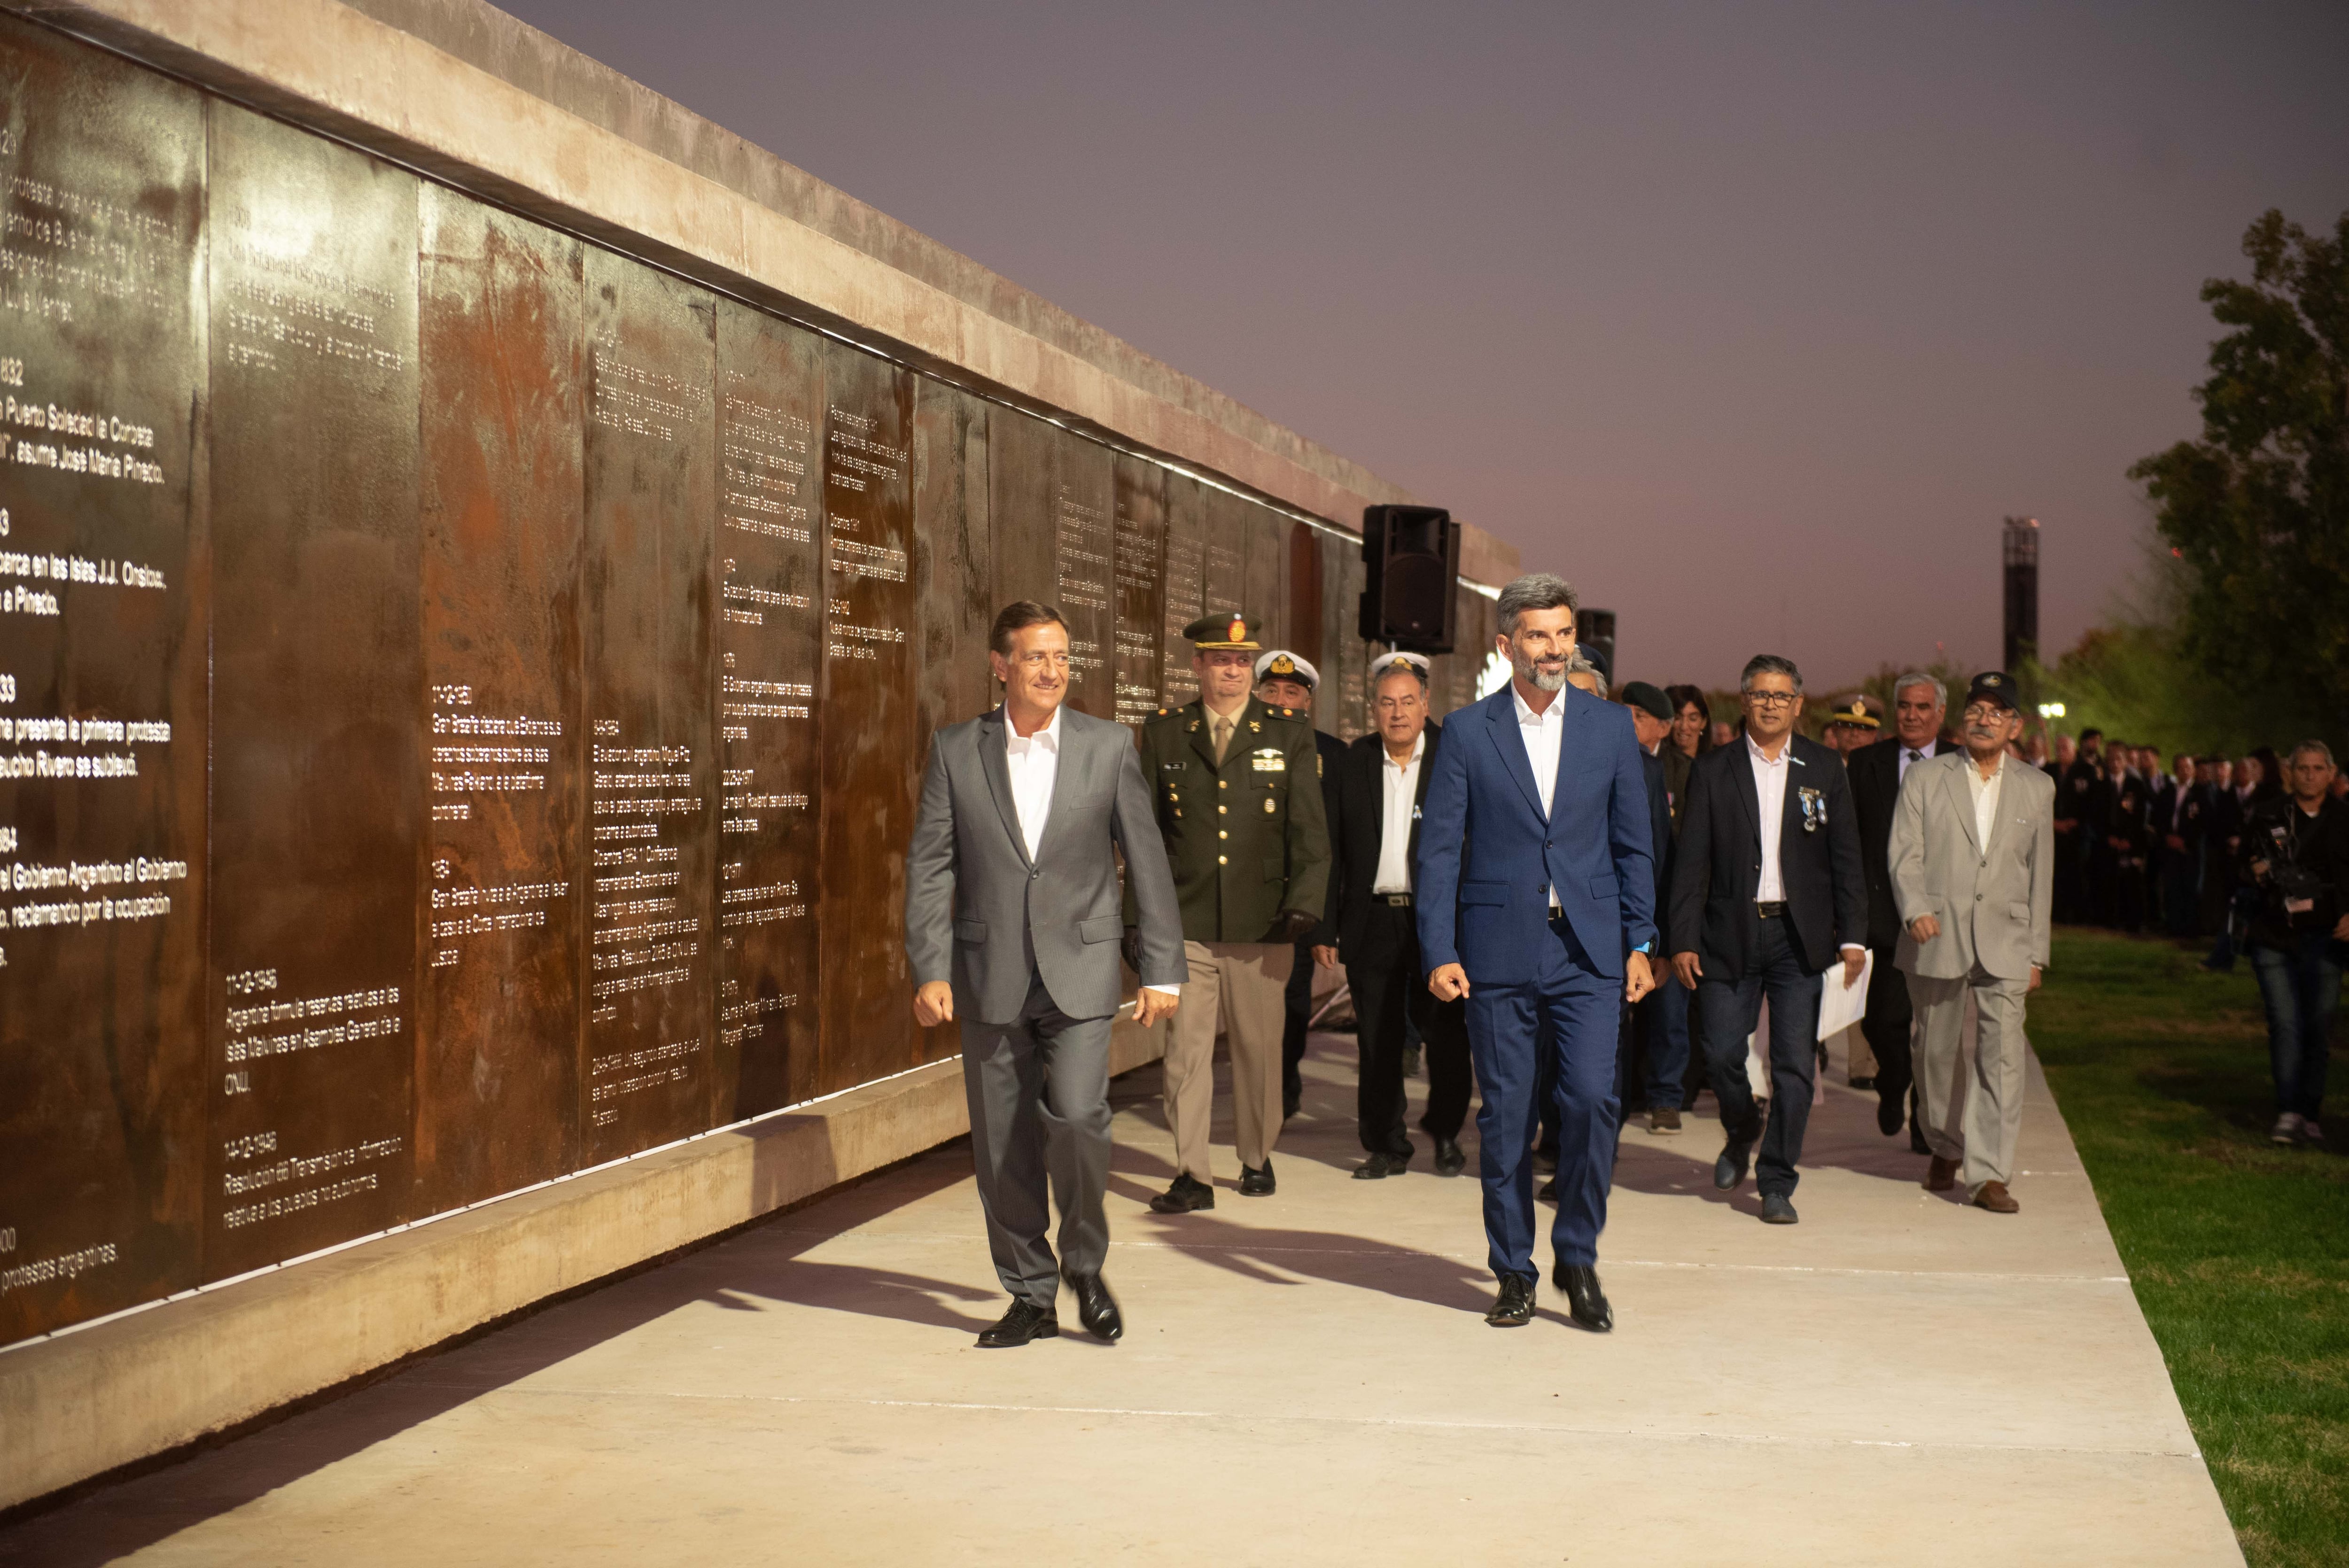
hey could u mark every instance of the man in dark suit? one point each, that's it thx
(1766, 890)
(1374, 816)
(1918, 705)
(1286, 679)
(2179, 824)
(1655, 1056)
(1012, 923)
(1537, 887)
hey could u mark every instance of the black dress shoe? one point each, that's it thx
(1514, 1307)
(1374, 1169)
(1889, 1114)
(1730, 1169)
(1256, 1183)
(1288, 1104)
(1448, 1159)
(1023, 1322)
(1096, 1308)
(1584, 1300)
(1547, 1191)
(1863, 1082)
(1184, 1196)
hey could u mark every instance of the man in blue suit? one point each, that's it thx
(1536, 902)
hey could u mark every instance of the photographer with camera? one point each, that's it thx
(2296, 857)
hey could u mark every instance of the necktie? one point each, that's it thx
(1222, 731)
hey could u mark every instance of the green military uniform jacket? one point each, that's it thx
(1249, 839)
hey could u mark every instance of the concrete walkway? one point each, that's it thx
(1305, 1379)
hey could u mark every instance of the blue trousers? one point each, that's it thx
(1731, 1009)
(2301, 986)
(1568, 1011)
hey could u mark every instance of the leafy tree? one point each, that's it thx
(2258, 510)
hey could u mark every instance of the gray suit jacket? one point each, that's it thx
(1993, 901)
(979, 914)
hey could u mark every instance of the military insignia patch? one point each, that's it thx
(1269, 760)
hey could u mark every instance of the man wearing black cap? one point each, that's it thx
(1238, 791)
(1655, 1042)
(1974, 870)
(1285, 679)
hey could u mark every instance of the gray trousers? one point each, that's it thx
(1039, 1090)
(1979, 1133)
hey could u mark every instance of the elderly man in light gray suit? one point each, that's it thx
(1972, 858)
(1013, 920)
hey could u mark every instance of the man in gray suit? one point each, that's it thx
(1012, 923)
(1973, 871)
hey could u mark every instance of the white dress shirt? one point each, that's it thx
(1400, 781)
(1770, 784)
(1543, 734)
(1985, 795)
(1034, 761)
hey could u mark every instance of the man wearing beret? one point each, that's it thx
(1973, 869)
(1287, 679)
(1237, 787)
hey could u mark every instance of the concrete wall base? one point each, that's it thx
(93, 1401)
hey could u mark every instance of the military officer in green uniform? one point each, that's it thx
(1238, 791)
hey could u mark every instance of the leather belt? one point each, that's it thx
(1771, 910)
(1392, 900)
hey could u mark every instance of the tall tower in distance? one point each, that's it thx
(2021, 551)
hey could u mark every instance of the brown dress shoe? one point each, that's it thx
(1994, 1197)
(1665, 1118)
(1942, 1176)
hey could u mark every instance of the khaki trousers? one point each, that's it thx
(1243, 987)
(1978, 1130)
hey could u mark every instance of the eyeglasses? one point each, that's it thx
(1773, 698)
(1983, 713)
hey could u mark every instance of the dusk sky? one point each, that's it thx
(1754, 320)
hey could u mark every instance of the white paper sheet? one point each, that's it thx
(1841, 1005)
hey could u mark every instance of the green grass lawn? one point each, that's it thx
(2239, 1249)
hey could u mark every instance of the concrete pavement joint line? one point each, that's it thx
(1242, 1246)
(1553, 1429)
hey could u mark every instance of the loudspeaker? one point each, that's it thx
(1412, 555)
(1595, 630)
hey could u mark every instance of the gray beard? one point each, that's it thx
(1540, 682)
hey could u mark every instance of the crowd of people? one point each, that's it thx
(1572, 903)
(2250, 852)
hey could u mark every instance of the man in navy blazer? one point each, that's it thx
(1536, 902)
(1767, 896)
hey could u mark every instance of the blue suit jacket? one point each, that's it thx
(1487, 858)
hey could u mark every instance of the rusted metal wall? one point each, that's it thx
(465, 690)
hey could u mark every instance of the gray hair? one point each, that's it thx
(1919, 678)
(1769, 665)
(1578, 666)
(2318, 747)
(1535, 590)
